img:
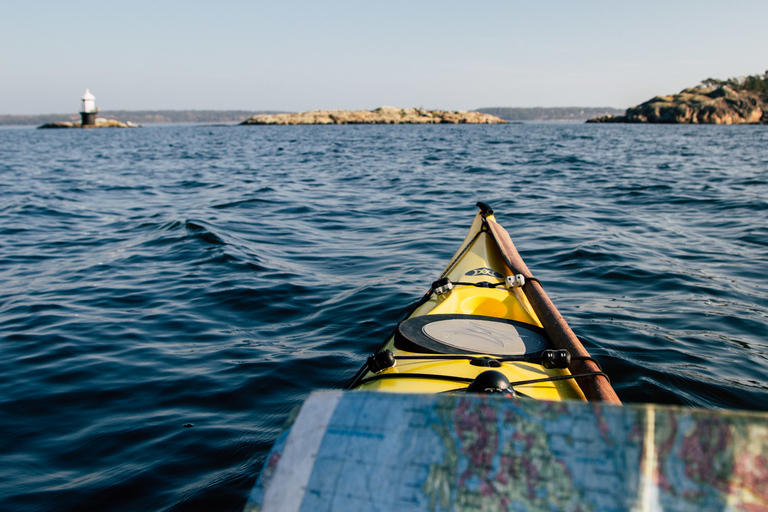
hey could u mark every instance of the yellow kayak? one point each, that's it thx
(486, 325)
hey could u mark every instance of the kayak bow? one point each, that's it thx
(486, 325)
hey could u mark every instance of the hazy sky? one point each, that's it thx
(302, 55)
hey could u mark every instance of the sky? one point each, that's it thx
(304, 55)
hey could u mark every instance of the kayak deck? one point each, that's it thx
(479, 311)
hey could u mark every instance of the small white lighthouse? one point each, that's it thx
(88, 112)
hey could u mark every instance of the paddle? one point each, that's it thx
(596, 388)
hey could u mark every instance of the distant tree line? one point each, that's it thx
(142, 116)
(754, 83)
(550, 113)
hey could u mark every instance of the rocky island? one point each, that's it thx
(382, 115)
(100, 123)
(732, 101)
(88, 117)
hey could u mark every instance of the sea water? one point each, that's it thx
(169, 294)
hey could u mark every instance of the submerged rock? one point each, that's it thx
(100, 123)
(382, 115)
(697, 105)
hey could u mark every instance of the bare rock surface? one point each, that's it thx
(382, 115)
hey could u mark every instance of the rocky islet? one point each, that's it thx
(101, 122)
(382, 115)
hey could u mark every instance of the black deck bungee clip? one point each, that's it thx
(555, 359)
(442, 286)
(380, 361)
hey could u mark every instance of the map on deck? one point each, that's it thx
(357, 450)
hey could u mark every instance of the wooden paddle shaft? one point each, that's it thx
(596, 388)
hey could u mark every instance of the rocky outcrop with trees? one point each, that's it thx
(382, 115)
(732, 101)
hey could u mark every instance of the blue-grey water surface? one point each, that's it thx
(170, 293)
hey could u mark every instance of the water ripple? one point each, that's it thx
(170, 293)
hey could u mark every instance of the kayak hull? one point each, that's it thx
(486, 314)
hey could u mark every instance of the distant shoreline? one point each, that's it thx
(556, 114)
(147, 117)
